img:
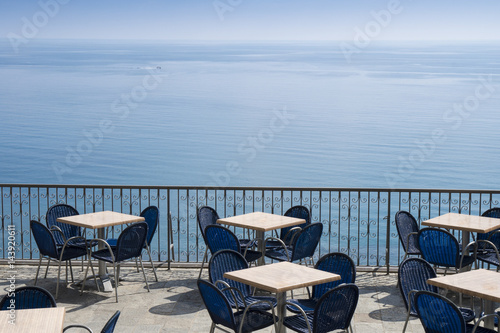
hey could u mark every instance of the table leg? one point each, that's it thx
(103, 276)
(281, 307)
(260, 247)
(488, 309)
(465, 241)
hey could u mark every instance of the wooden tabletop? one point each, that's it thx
(481, 283)
(100, 219)
(281, 277)
(472, 223)
(47, 320)
(260, 221)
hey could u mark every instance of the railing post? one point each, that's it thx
(388, 233)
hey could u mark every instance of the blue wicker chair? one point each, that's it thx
(439, 315)
(28, 297)
(337, 263)
(413, 274)
(286, 234)
(109, 327)
(488, 244)
(48, 248)
(208, 216)
(407, 227)
(334, 311)
(302, 247)
(242, 321)
(219, 238)
(441, 248)
(151, 216)
(129, 246)
(239, 294)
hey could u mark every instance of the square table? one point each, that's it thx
(465, 223)
(100, 221)
(48, 320)
(279, 278)
(480, 283)
(261, 222)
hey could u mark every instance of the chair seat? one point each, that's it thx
(298, 323)
(244, 243)
(489, 258)
(468, 314)
(254, 320)
(479, 329)
(104, 255)
(251, 299)
(71, 252)
(307, 305)
(252, 255)
(279, 254)
(467, 260)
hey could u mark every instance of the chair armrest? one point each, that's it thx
(70, 239)
(254, 303)
(303, 314)
(55, 228)
(232, 289)
(281, 243)
(292, 231)
(252, 245)
(99, 240)
(77, 326)
(408, 239)
(483, 318)
(224, 283)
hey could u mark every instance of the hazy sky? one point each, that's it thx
(252, 19)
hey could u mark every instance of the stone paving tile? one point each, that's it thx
(174, 305)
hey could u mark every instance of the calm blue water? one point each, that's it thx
(258, 114)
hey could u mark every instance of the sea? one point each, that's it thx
(300, 114)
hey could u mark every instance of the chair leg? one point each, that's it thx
(203, 262)
(212, 328)
(59, 277)
(151, 261)
(117, 276)
(71, 271)
(38, 270)
(85, 276)
(47, 269)
(95, 278)
(407, 319)
(144, 273)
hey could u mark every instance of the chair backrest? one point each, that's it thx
(337, 263)
(300, 212)
(491, 236)
(110, 325)
(151, 215)
(28, 297)
(439, 247)
(227, 261)
(206, 216)
(62, 210)
(406, 224)
(305, 243)
(335, 309)
(217, 304)
(219, 238)
(131, 241)
(44, 239)
(438, 314)
(413, 274)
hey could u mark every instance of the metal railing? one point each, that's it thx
(357, 221)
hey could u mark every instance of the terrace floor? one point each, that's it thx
(174, 305)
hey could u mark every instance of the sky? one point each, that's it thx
(251, 19)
